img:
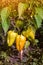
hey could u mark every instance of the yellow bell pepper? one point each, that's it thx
(32, 34)
(11, 37)
(20, 42)
(29, 33)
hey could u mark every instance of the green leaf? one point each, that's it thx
(36, 41)
(5, 13)
(5, 25)
(4, 16)
(39, 11)
(22, 8)
(38, 20)
(34, 63)
(27, 44)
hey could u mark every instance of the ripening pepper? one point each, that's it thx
(32, 35)
(29, 33)
(11, 37)
(20, 42)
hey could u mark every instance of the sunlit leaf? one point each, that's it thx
(39, 11)
(5, 26)
(4, 15)
(38, 20)
(21, 8)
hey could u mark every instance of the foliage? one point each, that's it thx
(21, 8)
(4, 16)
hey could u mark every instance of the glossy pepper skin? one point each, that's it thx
(11, 37)
(32, 35)
(20, 42)
(29, 33)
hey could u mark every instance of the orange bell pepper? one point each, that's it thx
(20, 42)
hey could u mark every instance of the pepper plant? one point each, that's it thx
(19, 22)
